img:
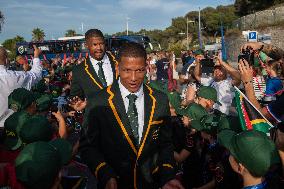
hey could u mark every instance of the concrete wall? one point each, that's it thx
(233, 43)
(261, 18)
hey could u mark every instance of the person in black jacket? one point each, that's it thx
(127, 142)
(97, 71)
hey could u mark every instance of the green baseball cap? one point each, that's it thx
(39, 163)
(174, 99)
(199, 52)
(12, 127)
(44, 102)
(211, 123)
(40, 87)
(55, 91)
(193, 111)
(251, 148)
(36, 128)
(20, 99)
(208, 93)
(68, 69)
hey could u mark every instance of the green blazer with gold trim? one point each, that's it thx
(85, 81)
(107, 147)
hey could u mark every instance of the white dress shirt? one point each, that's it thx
(139, 105)
(225, 92)
(106, 68)
(10, 80)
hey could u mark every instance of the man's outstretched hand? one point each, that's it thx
(37, 51)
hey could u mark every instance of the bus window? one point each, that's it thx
(117, 43)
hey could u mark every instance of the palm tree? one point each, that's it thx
(1, 20)
(38, 34)
(70, 33)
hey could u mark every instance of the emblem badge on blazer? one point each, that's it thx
(155, 134)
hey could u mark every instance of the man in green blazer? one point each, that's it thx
(127, 138)
(98, 70)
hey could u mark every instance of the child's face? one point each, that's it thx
(205, 136)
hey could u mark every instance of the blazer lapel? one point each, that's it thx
(149, 111)
(147, 108)
(92, 73)
(117, 105)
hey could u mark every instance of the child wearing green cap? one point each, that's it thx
(22, 99)
(37, 166)
(252, 156)
(187, 154)
(216, 170)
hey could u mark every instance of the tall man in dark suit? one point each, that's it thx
(98, 71)
(128, 141)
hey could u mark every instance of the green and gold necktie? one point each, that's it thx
(133, 117)
(101, 74)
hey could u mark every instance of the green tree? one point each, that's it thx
(174, 36)
(1, 20)
(244, 7)
(70, 33)
(38, 35)
(10, 44)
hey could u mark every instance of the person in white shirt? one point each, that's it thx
(220, 80)
(10, 80)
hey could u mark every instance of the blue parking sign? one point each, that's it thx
(252, 36)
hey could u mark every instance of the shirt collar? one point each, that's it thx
(104, 60)
(125, 92)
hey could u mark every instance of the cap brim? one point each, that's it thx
(225, 139)
(181, 111)
(64, 148)
(196, 125)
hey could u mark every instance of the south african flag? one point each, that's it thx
(250, 117)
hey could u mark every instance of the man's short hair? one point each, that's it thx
(93, 33)
(132, 49)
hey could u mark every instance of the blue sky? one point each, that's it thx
(55, 17)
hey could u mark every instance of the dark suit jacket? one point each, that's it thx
(107, 145)
(85, 81)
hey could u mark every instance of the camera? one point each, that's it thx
(75, 122)
(207, 65)
(247, 55)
